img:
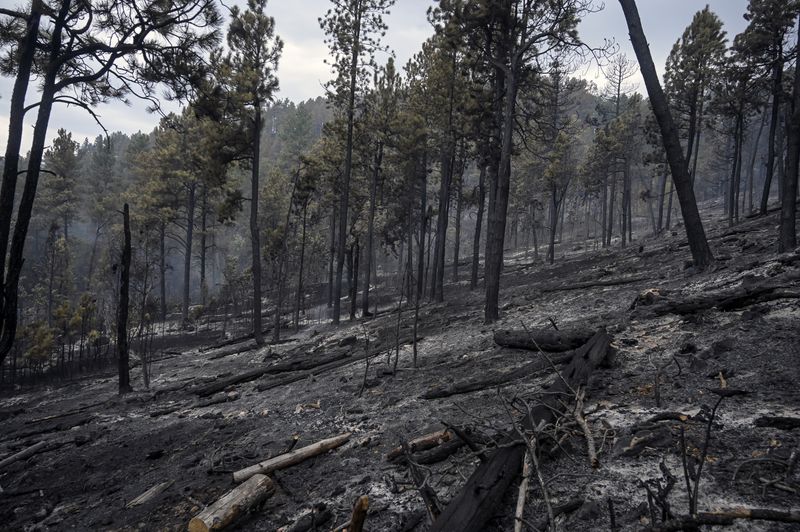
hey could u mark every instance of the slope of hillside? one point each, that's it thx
(681, 341)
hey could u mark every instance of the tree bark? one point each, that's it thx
(777, 88)
(476, 239)
(344, 199)
(187, 255)
(371, 229)
(8, 309)
(701, 252)
(15, 129)
(162, 269)
(122, 312)
(233, 505)
(498, 196)
(787, 234)
(423, 226)
(300, 297)
(255, 239)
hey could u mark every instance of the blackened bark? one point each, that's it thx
(187, 256)
(344, 198)
(701, 253)
(255, 239)
(162, 269)
(371, 228)
(777, 88)
(787, 234)
(8, 310)
(423, 209)
(122, 312)
(15, 128)
(299, 296)
(476, 239)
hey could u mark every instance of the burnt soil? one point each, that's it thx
(114, 449)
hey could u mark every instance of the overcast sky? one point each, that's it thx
(302, 70)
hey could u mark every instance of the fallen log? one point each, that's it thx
(55, 425)
(594, 284)
(216, 354)
(725, 301)
(477, 502)
(778, 422)
(543, 339)
(322, 368)
(497, 379)
(25, 453)
(150, 494)
(305, 363)
(291, 458)
(727, 517)
(439, 453)
(233, 504)
(421, 443)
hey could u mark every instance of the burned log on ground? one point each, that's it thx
(303, 363)
(549, 340)
(598, 283)
(233, 504)
(26, 453)
(498, 379)
(421, 443)
(232, 350)
(779, 422)
(726, 301)
(478, 500)
(54, 425)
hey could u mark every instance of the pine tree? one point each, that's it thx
(249, 73)
(353, 29)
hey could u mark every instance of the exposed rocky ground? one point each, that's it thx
(103, 451)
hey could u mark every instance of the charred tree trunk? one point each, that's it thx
(354, 285)
(701, 253)
(611, 197)
(8, 308)
(187, 255)
(162, 270)
(331, 257)
(344, 199)
(498, 198)
(24, 63)
(476, 239)
(122, 312)
(662, 193)
(298, 303)
(255, 238)
(604, 231)
(423, 210)
(457, 243)
(203, 246)
(777, 89)
(371, 229)
(787, 235)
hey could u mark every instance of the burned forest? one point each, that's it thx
(395, 265)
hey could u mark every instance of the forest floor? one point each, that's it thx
(103, 451)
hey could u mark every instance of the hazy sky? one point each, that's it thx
(302, 70)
